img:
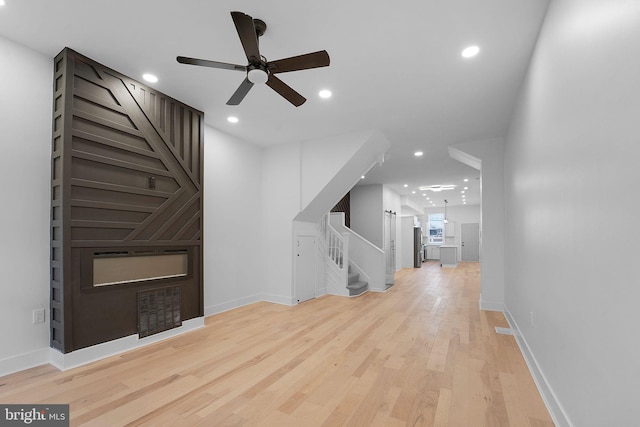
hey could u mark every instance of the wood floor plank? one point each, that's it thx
(421, 353)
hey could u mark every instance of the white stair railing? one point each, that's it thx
(364, 256)
(338, 257)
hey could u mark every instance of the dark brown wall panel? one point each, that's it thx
(344, 205)
(127, 177)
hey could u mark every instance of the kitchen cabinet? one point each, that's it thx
(450, 229)
(433, 252)
(448, 256)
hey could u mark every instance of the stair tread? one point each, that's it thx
(357, 285)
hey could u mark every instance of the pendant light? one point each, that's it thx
(446, 221)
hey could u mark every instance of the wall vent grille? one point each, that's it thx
(158, 310)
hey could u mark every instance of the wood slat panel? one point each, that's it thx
(117, 180)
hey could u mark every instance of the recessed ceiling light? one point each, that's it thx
(362, 177)
(324, 93)
(232, 119)
(148, 77)
(418, 153)
(424, 194)
(406, 185)
(470, 51)
(466, 180)
(2, 3)
(413, 192)
(462, 191)
(466, 188)
(427, 198)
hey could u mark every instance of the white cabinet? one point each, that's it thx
(448, 256)
(433, 252)
(450, 228)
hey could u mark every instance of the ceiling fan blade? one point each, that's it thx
(212, 64)
(300, 62)
(248, 37)
(240, 93)
(285, 90)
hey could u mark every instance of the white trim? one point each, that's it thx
(491, 305)
(65, 361)
(230, 305)
(557, 412)
(24, 361)
(278, 299)
(100, 351)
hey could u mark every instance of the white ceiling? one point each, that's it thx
(395, 66)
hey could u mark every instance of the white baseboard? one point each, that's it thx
(24, 361)
(278, 299)
(321, 291)
(491, 305)
(554, 407)
(230, 305)
(64, 361)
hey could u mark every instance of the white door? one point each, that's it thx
(305, 268)
(470, 242)
(390, 246)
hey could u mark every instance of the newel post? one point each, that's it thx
(345, 256)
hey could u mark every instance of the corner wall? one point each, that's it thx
(489, 158)
(572, 225)
(26, 85)
(232, 231)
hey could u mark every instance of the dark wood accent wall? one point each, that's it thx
(344, 205)
(127, 166)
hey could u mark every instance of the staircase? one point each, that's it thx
(353, 265)
(354, 284)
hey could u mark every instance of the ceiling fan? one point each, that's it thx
(258, 69)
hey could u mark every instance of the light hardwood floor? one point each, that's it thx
(420, 354)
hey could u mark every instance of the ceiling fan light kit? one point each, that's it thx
(257, 76)
(258, 70)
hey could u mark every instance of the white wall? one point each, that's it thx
(319, 163)
(489, 155)
(232, 207)
(572, 157)
(280, 200)
(331, 167)
(25, 128)
(367, 212)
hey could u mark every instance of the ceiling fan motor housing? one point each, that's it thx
(260, 25)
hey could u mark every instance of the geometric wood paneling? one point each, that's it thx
(127, 166)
